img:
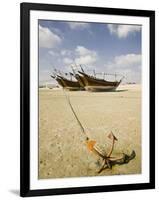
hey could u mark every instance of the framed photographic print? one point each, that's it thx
(87, 99)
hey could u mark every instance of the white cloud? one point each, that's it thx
(48, 39)
(66, 52)
(78, 25)
(85, 56)
(122, 31)
(129, 60)
(82, 51)
(80, 55)
(67, 61)
(63, 52)
(87, 59)
(52, 53)
(128, 65)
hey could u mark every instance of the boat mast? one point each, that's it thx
(81, 68)
(115, 77)
(94, 73)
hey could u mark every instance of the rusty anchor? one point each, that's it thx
(108, 160)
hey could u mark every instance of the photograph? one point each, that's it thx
(89, 99)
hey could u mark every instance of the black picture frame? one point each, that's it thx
(25, 9)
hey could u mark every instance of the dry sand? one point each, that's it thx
(62, 149)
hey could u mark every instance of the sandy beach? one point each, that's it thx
(62, 147)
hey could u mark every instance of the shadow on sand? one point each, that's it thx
(120, 91)
(110, 91)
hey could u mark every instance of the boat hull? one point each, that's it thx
(59, 81)
(94, 84)
(73, 88)
(100, 88)
(80, 80)
(70, 85)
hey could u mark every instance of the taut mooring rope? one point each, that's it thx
(78, 121)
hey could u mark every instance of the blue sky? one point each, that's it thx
(111, 48)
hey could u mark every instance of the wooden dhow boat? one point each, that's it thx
(66, 83)
(94, 84)
(58, 80)
(70, 84)
(78, 77)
